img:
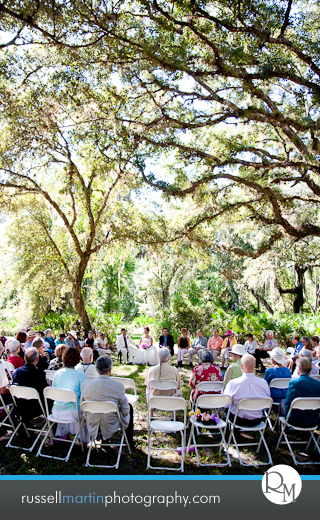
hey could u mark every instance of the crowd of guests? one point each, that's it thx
(85, 367)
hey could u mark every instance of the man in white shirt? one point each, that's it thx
(126, 345)
(248, 386)
(87, 366)
(102, 344)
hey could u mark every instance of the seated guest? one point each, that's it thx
(57, 363)
(250, 345)
(49, 340)
(71, 340)
(183, 346)
(279, 369)
(303, 386)
(87, 367)
(307, 354)
(316, 358)
(102, 388)
(234, 370)
(89, 342)
(207, 371)
(314, 341)
(43, 363)
(68, 379)
(297, 347)
(102, 344)
(31, 335)
(163, 372)
(29, 375)
(60, 340)
(14, 347)
(262, 352)
(248, 386)
(215, 344)
(22, 338)
(227, 344)
(166, 340)
(198, 344)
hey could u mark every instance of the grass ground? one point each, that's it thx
(17, 462)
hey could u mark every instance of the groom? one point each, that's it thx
(166, 340)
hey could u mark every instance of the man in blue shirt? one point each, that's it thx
(297, 347)
(303, 386)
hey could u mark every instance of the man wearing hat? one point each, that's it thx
(234, 370)
(31, 335)
(227, 344)
(279, 369)
(71, 340)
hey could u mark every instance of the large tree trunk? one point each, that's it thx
(297, 290)
(234, 294)
(78, 298)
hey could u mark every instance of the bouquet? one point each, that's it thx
(145, 346)
(206, 418)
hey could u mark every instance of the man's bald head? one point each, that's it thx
(248, 363)
(31, 356)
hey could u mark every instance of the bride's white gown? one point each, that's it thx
(143, 356)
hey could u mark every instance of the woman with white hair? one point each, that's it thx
(306, 353)
(87, 366)
(163, 371)
(14, 349)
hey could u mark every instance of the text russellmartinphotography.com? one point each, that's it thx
(115, 498)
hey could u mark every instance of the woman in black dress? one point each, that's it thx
(183, 346)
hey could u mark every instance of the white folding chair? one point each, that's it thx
(49, 376)
(132, 398)
(64, 396)
(209, 402)
(7, 408)
(316, 377)
(29, 394)
(207, 387)
(104, 407)
(300, 403)
(290, 350)
(252, 405)
(280, 383)
(157, 384)
(169, 404)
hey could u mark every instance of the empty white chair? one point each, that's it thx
(170, 404)
(27, 393)
(209, 402)
(280, 383)
(104, 407)
(253, 405)
(7, 408)
(64, 396)
(49, 376)
(300, 403)
(209, 387)
(129, 384)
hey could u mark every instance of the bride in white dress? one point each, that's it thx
(146, 355)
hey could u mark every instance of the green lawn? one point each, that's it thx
(15, 461)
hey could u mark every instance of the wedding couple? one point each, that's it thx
(144, 353)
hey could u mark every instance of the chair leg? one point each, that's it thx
(149, 448)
